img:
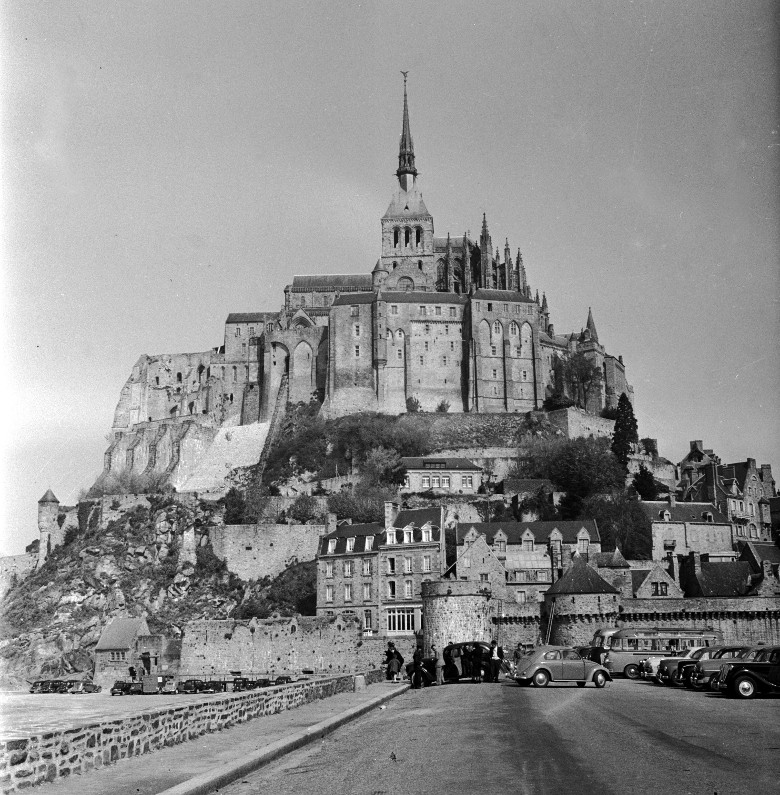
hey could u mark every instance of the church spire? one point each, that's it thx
(591, 326)
(406, 169)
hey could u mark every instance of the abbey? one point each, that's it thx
(440, 322)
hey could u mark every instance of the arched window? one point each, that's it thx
(497, 329)
(178, 378)
(419, 264)
(405, 284)
(513, 329)
(395, 239)
(235, 375)
(407, 235)
(417, 236)
(395, 265)
(399, 334)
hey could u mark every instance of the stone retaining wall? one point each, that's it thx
(26, 761)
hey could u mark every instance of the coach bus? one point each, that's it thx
(623, 648)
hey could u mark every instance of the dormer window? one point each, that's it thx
(350, 545)
(665, 516)
(528, 545)
(499, 545)
(391, 537)
(408, 536)
(331, 546)
(707, 516)
(582, 545)
(426, 534)
(369, 543)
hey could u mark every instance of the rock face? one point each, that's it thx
(149, 558)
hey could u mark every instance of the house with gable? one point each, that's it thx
(115, 652)
(376, 571)
(534, 554)
(477, 562)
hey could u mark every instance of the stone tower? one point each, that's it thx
(407, 262)
(48, 510)
(578, 604)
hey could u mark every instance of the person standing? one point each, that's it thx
(439, 662)
(496, 655)
(394, 662)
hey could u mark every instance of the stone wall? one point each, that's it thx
(14, 568)
(576, 423)
(253, 551)
(39, 758)
(456, 611)
(329, 644)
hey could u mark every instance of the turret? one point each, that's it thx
(509, 272)
(545, 312)
(522, 282)
(591, 327)
(486, 255)
(48, 511)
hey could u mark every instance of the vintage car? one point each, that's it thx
(190, 686)
(459, 660)
(122, 688)
(283, 680)
(743, 678)
(687, 665)
(559, 664)
(84, 687)
(650, 666)
(706, 672)
(666, 672)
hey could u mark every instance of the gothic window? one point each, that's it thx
(399, 354)
(513, 329)
(497, 328)
(405, 284)
(357, 351)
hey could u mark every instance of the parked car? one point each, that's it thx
(706, 672)
(650, 666)
(190, 686)
(120, 688)
(459, 660)
(743, 678)
(687, 665)
(283, 680)
(84, 687)
(667, 667)
(559, 664)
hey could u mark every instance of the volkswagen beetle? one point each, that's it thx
(559, 664)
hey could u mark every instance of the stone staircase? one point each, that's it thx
(235, 446)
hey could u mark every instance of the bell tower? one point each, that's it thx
(407, 226)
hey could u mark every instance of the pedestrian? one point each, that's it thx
(477, 663)
(496, 655)
(465, 661)
(394, 662)
(439, 662)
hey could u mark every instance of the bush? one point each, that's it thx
(207, 563)
(303, 509)
(125, 482)
(443, 407)
(362, 508)
(235, 507)
(412, 404)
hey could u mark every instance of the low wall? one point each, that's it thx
(35, 759)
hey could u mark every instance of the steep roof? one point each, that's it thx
(683, 511)
(609, 560)
(541, 530)
(432, 464)
(581, 578)
(418, 517)
(351, 299)
(121, 633)
(48, 497)
(723, 579)
(407, 204)
(248, 317)
(420, 297)
(638, 576)
(328, 282)
(361, 531)
(510, 296)
(440, 243)
(766, 551)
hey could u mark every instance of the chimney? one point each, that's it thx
(392, 509)
(695, 559)
(330, 523)
(672, 499)
(673, 567)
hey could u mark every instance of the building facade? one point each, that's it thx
(441, 475)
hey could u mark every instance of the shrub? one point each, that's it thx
(235, 506)
(303, 509)
(412, 404)
(443, 407)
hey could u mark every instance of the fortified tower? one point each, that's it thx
(456, 611)
(48, 511)
(578, 604)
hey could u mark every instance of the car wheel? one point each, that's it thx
(744, 687)
(698, 684)
(541, 678)
(600, 679)
(580, 684)
(713, 683)
(631, 671)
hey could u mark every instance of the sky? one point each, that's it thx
(164, 164)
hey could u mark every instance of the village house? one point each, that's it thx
(441, 475)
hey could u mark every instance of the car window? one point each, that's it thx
(570, 654)
(552, 655)
(775, 657)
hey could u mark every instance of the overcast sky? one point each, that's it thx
(167, 163)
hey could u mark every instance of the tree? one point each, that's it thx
(540, 505)
(362, 507)
(235, 505)
(382, 467)
(443, 407)
(625, 434)
(644, 483)
(622, 522)
(303, 509)
(582, 377)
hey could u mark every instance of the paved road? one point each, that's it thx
(632, 737)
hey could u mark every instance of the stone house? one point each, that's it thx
(741, 491)
(534, 554)
(376, 571)
(477, 562)
(682, 527)
(441, 475)
(115, 652)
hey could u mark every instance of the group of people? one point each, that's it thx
(482, 665)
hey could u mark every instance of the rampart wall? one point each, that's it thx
(26, 760)
(330, 644)
(576, 423)
(254, 551)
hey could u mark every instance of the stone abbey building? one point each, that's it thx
(440, 319)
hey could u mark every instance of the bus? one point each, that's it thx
(620, 650)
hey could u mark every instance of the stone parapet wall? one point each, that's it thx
(39, 758)
(577, 423)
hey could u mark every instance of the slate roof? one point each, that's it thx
(767, 551)
(354, 298)
(541, 530)
(609, 560)
(421, 297)
(326, 283)
(638, 576)
(406, 203)
(48, 497)
(508, 296)
(418, 517)
(440, 243)
(682, 511)
(121, 634)
(448, 463)
(581, 578)
(724, 579)
(248, 317)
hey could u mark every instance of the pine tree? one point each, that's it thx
(625, 433)
(644, 483)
